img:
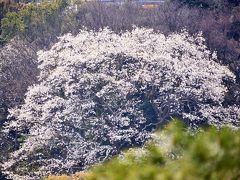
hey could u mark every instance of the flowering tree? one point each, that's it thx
(99, 92)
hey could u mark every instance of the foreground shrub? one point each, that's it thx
(100, 92)
(210, 154)
(175, 153)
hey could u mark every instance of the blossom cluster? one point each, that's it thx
(99, 92)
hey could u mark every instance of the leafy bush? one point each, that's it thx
(175, 153)
(209, 154)
(11, 25)
(35, 21)
(100, 92)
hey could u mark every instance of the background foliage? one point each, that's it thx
(35, 22)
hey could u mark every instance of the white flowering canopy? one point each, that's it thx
(99, 92)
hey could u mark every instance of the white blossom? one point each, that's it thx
(99, 92)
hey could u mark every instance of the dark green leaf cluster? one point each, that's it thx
(34, 20)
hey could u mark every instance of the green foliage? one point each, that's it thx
(211, 154)
(11, 25)
(34, 20)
